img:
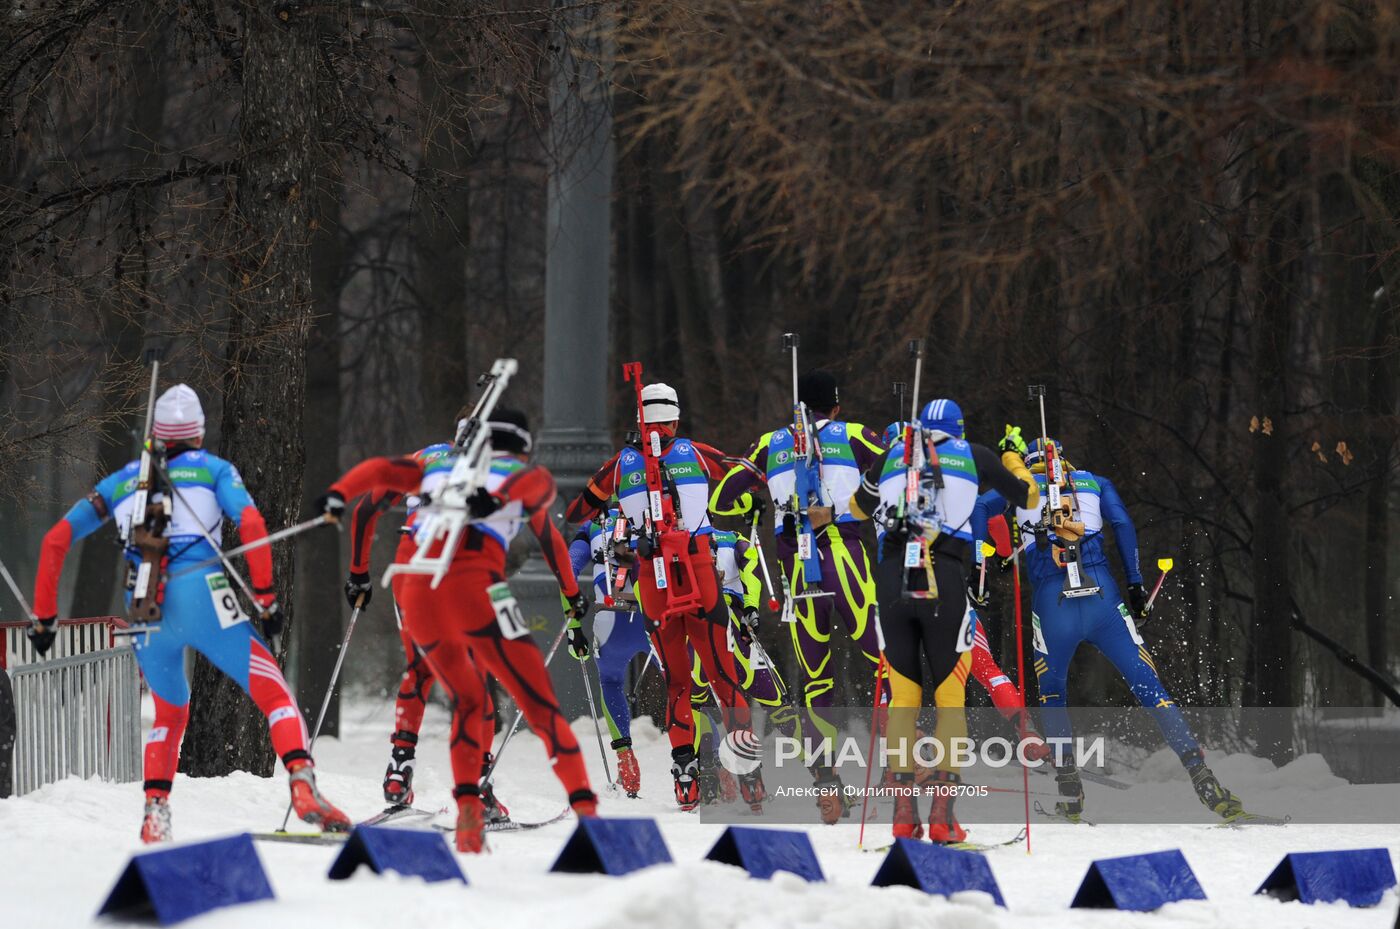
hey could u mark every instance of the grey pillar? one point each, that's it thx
(574, 438)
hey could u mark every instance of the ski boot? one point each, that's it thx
(907, 822)
(398, 778)
(1215, 797)
(728, 789)
(471, 820)
(686, 770)
(943, 825)
(155, 827)
(752, 790)
(629, 773)
(584, 803)
(492, 808)
(831, 800)
(1071, 807)
(308, 802)
(709, 778)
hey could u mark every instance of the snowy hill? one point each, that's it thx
(64, 846)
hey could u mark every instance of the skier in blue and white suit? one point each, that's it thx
(619, 634)
(199, 608)
(1060, 623)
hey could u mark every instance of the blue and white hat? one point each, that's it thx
(945, 416)
(1035, 452)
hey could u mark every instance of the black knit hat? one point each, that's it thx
(510, 431)
(817, 389)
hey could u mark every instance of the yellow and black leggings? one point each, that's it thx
(922, 636)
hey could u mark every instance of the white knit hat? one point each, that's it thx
(178, 415)
(660, 404)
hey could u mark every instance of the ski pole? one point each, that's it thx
(763, 563)
(330, 689)
(597, 726)
(987, 551)
(1165, 565)
(19, 595)
(1021, 666)
(870, 755)
(637, 684)
(519, 713)
(269, 539)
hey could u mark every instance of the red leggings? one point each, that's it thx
(705, 631)
(456, 630)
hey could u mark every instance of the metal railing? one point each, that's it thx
(75, 637)
(77, 715)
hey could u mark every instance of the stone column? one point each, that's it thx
(573, 439)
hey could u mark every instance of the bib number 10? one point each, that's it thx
(508, 615)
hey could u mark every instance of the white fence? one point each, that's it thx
(79, 713)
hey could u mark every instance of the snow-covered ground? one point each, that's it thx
(62, 847)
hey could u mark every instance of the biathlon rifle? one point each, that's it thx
(1056, 512)
(149, 517)
(918, 556)
(806, 470)
(444, 515)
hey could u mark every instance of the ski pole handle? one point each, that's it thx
(1165, 564)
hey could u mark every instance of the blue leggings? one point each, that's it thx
(199, 611)
(1059, 625)
(618, 637)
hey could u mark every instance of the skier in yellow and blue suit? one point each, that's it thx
(1059, 623)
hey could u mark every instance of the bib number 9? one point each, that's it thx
(508, 615)
(226, 607)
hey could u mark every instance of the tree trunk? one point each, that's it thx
(320, 569)
(1271, 677)
(1380, 403)
(440, 236)
(124, 319)
(269, 325)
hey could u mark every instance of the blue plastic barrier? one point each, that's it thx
(181, 881)
(1138, 882)
(936, 870)
(612, 846)
(761, 852)
(1360, 876)
(414, 852)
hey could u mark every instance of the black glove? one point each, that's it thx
(358, 589)
(578, 642)
(482, 504)
(578, 606)
(42, 632)
(330, 504)
(748, 623)
(983, 600)
(272, 621)
(1137, 598)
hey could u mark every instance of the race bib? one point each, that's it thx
(729, 638)
(1128, 621)
(226, 606)
(967, 631)
(913, 554)
(1037, 638)
(508, 615)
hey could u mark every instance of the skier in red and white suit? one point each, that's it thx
(470, 624)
